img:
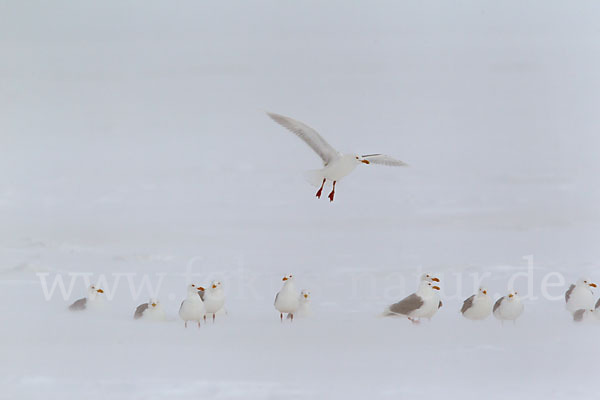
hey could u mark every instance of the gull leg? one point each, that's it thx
(213, 318)
(198, 324)
(291, 317)
(413, 320)
(205, 318)
(332, 192)
(281, 316)
(185, 324)
(321, 189)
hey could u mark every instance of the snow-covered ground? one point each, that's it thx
(136, 149)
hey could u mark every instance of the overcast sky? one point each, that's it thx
(101, 96)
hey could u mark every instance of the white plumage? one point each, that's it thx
(214, 298)
(478, 306)
(192, 308)
(336, 164)
(580, 295)
(508, 308)
(286, 300)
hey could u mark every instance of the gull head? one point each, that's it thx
(429, 278)
(305, 296)
(94, 291)
(153, 303)
(586, 282)
(360, 159)
(512, 295)
(214, 285)
(428, 286)
(483, 291)
(193, 289)
(288, 278)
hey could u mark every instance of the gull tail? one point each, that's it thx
(314, 177)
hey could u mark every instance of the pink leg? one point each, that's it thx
(321, 189)
(332, 192)
(198, 324)
(281, 316)
(213, 318)
(205, 318)
(291, 317)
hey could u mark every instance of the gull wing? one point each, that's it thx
(309, 135)
(467, 304)
(382, 159)
(568, 293)
(139, 311)
(407, 305)
(79, 305)
(497, 304)
(597, 304)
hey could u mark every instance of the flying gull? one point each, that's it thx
(336, 164)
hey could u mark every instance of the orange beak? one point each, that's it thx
(285, 278)
(365, 162)
(435, 279)
(593, 285)
(485, 292)
(306, 296)
(510, 295)
(214, 286)
(153, 304)
(100, 291)
(436, 287)
(200, 288)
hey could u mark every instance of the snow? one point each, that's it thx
(137, 155)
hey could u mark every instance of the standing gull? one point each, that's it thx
(214, 298)
(192, 308)
(580, 296)
(94, 299)
(417, 305)
(304, 309)
(478, 306)
(286, 301)
(508, 308)
(336, 164)
(152, 310)
(430, 278)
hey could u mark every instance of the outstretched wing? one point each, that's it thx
(382, 159)
(568, 293)
(309, 135)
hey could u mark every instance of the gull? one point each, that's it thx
(336, 164)
(152, 310)
(94, 299)
(580, 296)
(417, 305)
(192, 308)
(430, 278)
(286, 301)
(508, 307)
(478, 306)
(304, 309)
(214, 298)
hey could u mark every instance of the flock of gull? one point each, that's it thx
(201, 303)
(424, 303)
